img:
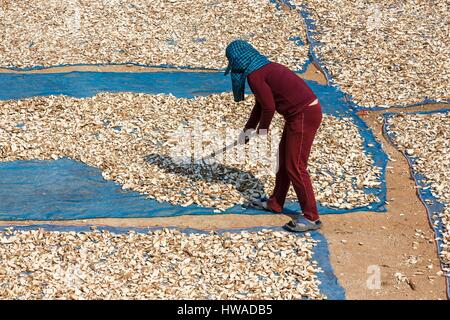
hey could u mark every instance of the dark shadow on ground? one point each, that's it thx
(244, 182)
(216, 173)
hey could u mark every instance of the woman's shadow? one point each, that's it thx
(245, 182)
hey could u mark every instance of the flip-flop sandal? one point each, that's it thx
(262, 204)
(294, 226)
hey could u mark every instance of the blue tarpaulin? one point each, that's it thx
(65, 189)
(431, 203)
(86, 84)
(329, 285)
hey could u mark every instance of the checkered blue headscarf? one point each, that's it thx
(243, 59)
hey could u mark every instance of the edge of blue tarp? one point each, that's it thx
(180, 84)
(432, 204)
(106, 64)
(169, 67)
(329, 285)
(310, 32)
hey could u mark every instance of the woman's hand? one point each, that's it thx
(244, 136)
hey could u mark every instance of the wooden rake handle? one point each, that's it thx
(220, 151)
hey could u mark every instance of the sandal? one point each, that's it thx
(263, 204)
(295, 226)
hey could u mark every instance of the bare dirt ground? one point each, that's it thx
(399, 240)
(312, 73)
(392, 240)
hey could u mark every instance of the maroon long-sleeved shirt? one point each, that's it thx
(276, 88)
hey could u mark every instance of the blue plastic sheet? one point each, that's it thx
(86, 84)
(432, 205)
(311, 33)
(65, 189)
(329, 285)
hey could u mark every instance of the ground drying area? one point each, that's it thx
(157, 264)
(424, 139)
(411, 267)
(383, 53)
(369, 53)
(355, 239)
(136, 142)
(49, 33)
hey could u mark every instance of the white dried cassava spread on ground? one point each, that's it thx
(132, 138)
(426, 137)
(152, 32)
(162, 264)
(384, 53)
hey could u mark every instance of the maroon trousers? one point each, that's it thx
(295, 147)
